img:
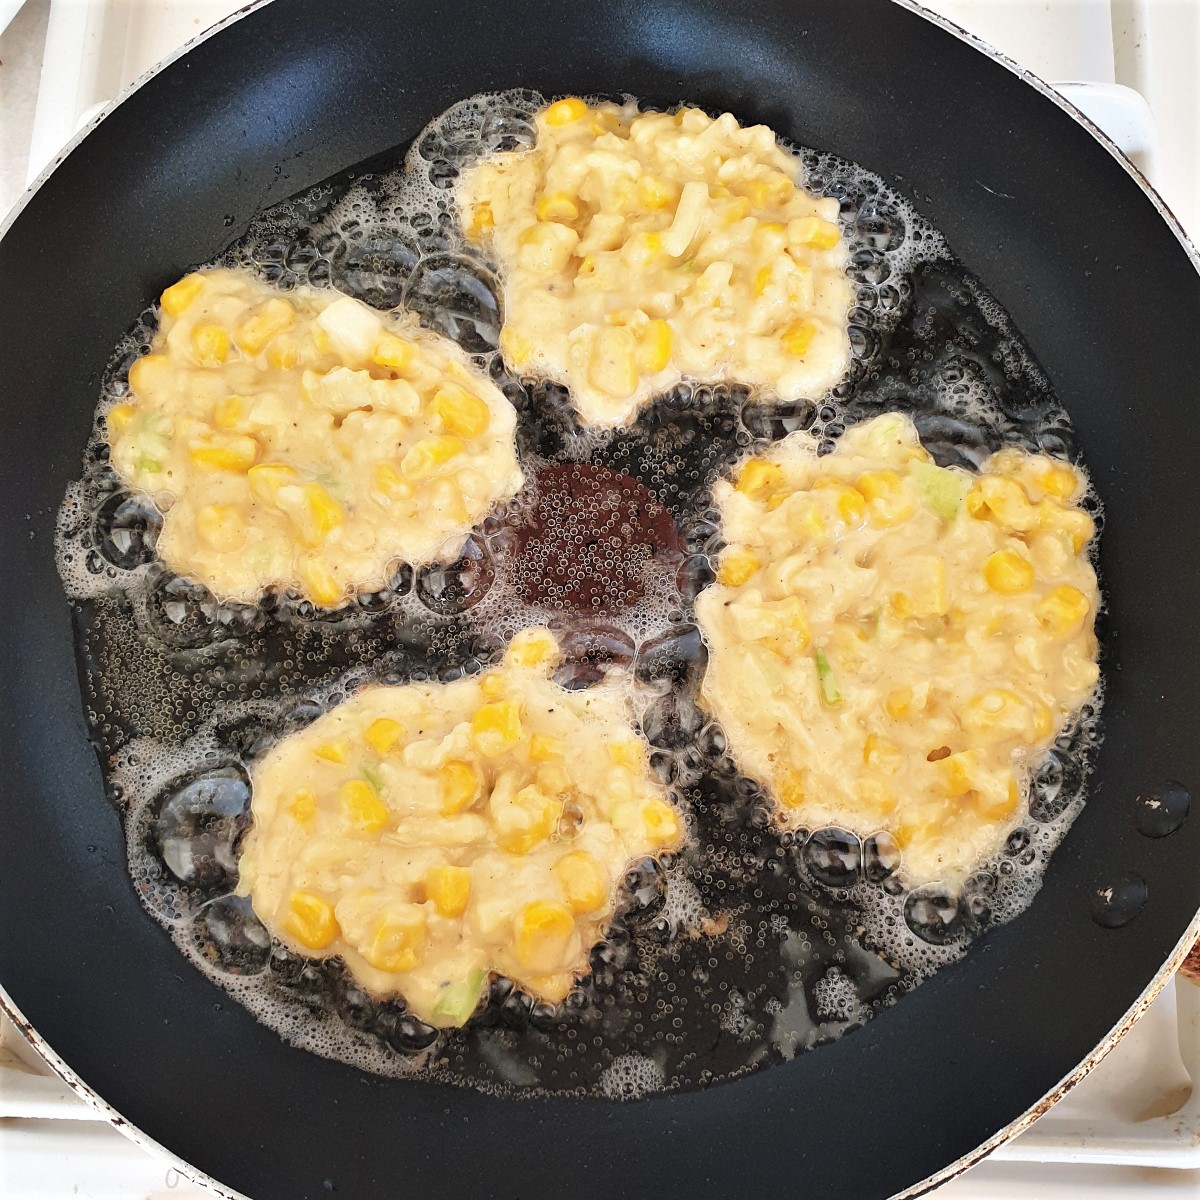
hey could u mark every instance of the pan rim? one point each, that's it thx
(1069, 1080)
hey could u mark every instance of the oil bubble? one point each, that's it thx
(1160, 813)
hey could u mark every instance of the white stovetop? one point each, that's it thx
(96, 47)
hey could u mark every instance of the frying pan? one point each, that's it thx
(1094, 273)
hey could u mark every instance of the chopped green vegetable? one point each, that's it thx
(459, 1000)
(688, 265)
(372, 776)
(942, 488)
(148, 464)
(827, 679)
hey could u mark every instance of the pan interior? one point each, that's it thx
(748, 947)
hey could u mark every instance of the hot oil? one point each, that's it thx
(747, 947)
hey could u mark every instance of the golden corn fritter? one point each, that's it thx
(306, 440)
(638, 248)
(431, 833)
(893, 644)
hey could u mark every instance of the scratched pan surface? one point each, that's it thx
(1094, 277)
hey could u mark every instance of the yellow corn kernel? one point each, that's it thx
(334, 752)
(1043, 721)
(261, 326)
(631, 754)
(459, 412)
(882, 754)
(552, 778)
(395, 353)
(267, 478)
(762, 279)
(956, 772)
(542, 935)
(383, 733)
(309, 920)
(643, 248)
(318, 582)
(738, 565)
(231, 452)
(544, 748)
(655, 194)
(583, 879)
(524, 820)
(283, 354)
(557, 206)
(180, 295)
(899, 703)
(496, 727)
(303, 806)
(362, 807)
(790, 790)
(1005, 501)
(1058, 479)
(1074, 522)
(878, 485)
(612, 368)
(399, 940)
(210, 344)
(149, 373)
(518, 350)
(737, 209)
(774, 189)
(448, 889)
(322, 514)
(758, 475)
(563, 112)
(461, 785)
(769, 237)
(654, 347)
(851, 507)
(492, 686)
(534, 647)
(1008, 572)
(998, 803)
(815, 232)
(797, 337)
(792, 633)
(228, 412)
(118, 418)
(220, 525)
(661, 822)
(424, 457)
(1062, 611)
(482, 218)
(999, 712)
(388, 480)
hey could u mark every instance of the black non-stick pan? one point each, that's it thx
(1095, 274)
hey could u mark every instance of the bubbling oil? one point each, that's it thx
(748, 946)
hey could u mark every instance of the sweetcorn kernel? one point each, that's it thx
(148, 373)
(388, 480)
(815, 232)
(535, 647)
(654, 347)
(210, 344)
(797, 338)
(523, 820)
(424, 457)
(631, 754)
(1008, 572)
(334, 752)
(303, 806)
(1063, 609)
(395, 353)
(309, 920)
(542, 935)
(563, 112)
(661, 822)
(228, 452)
(118, 418)
(448, 889)
(758, 475)
(261, 326)
(557, 206)
(399, 940)
(655, 193)
(738, 565)
(228, 412)
(361, 806)
(1058, 479)
(496, 727)
(956, 772)
(383, 733)
(544, 748)
(180, 295)
(583, 879)
(461, 785)
(318, 582)
(459, 411)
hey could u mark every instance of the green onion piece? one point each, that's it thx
(825, 676)
(150, 465)
(942, 488)
(459, 1000)
(372, 776)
